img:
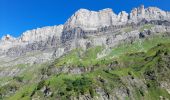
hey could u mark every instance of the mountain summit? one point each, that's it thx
(95, 55)
(91, 19)
(81, 24)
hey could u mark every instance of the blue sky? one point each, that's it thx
(17, 16)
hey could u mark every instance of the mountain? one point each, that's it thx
(95, 55)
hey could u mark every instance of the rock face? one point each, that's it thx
(91, 20)
(6, 41)
(151, 13)
(28, 37)
(41, 34)
(33, 39)
(24, 48)
(86, 29)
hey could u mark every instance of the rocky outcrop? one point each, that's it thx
(85, 22)
(86, 29)
(151, 13)
(91, 20)
(37, 39)
(34, 46)
(32, 36)
(41, 34)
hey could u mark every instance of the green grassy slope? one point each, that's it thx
(138, 68)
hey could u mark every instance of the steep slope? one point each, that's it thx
(80, 26)
(94, 55)
(102, 24)
(43, 40)
(131, 75)
(29, 37)
(99, 26)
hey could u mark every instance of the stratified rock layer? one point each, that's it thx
(86, 29)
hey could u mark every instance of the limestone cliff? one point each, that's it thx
(86, 29)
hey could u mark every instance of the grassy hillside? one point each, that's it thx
(137, 71)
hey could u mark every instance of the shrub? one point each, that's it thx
(40, 84)
(18, 78)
